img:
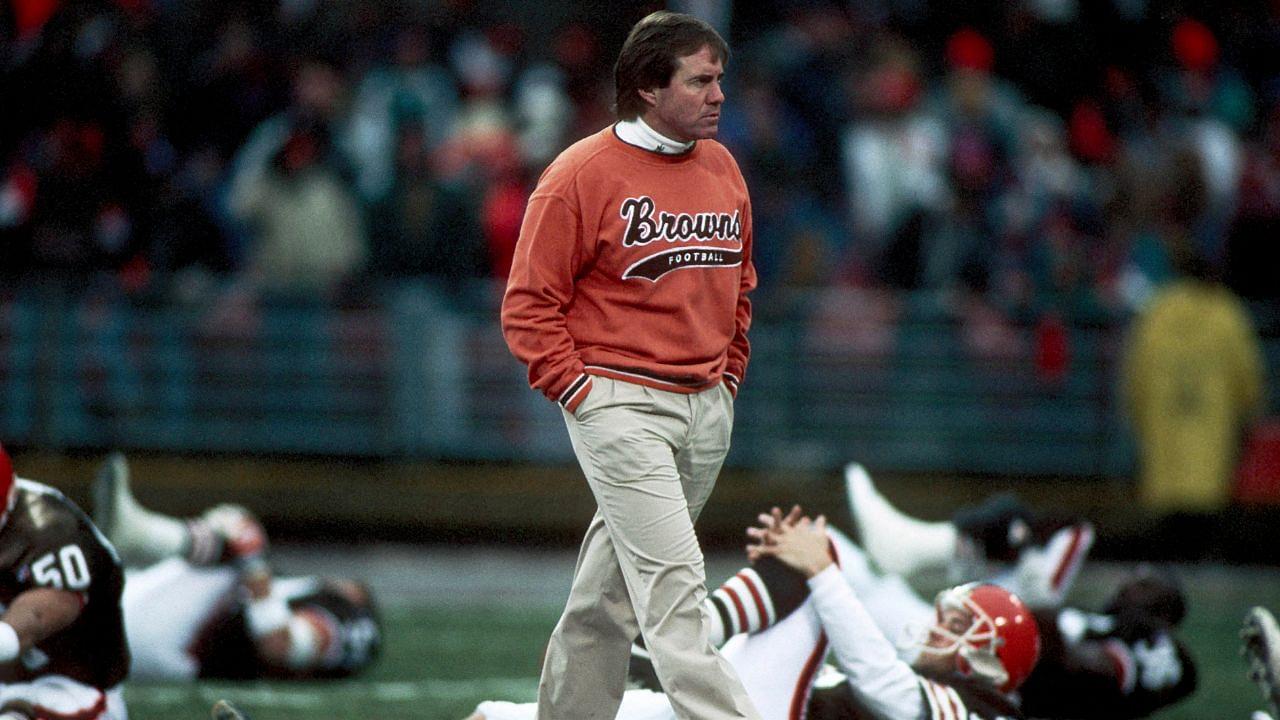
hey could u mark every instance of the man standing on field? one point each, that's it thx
(628, 302)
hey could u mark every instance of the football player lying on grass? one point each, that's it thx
(200, 600)
(1123, 662)
(981, 646)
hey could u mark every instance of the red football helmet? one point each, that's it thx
(1002, 642)
(7, 482)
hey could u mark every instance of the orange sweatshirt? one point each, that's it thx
(632, 265)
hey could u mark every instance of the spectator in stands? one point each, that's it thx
(411, 91)
(482, 156)
(1211, 105)
(1193, 382)
(981, 113)
(426, 225)
(119, 172)
(543, 110)
(894, 158)
(577, 52)
(1252, 254)
(290, 189)
(66, 217)
(1199, 83)
(777, 149)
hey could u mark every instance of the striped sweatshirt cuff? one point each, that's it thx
(732, 381)
(577, 391)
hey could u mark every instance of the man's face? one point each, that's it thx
(942, 641)
(688, 108)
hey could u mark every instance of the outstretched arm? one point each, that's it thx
(883, 681)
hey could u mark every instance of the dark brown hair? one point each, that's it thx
(648, 57)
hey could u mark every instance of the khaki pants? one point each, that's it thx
(651, 459)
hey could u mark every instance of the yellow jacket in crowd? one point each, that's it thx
(1193, 381)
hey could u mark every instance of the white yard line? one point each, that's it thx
(317, 696)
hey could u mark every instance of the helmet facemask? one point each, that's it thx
(975, 645)
(989, 633)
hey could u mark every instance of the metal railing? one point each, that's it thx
(422, 373)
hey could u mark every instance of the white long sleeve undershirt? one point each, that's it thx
(886, 684)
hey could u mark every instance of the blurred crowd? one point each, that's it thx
(1025, 159)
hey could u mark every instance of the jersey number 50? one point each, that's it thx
(68, 569)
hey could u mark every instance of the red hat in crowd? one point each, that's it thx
(1194, 45)
(967, 49)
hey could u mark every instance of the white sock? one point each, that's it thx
(140, 535)
(898, 543)
(148, 537)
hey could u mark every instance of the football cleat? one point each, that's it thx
(897, 543)
(1261, 648)
(223, 710)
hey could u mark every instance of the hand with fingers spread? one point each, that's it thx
(797, 540)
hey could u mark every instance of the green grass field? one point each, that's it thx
(438, 662)
(441, 657)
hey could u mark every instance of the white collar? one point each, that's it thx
(637, 132)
